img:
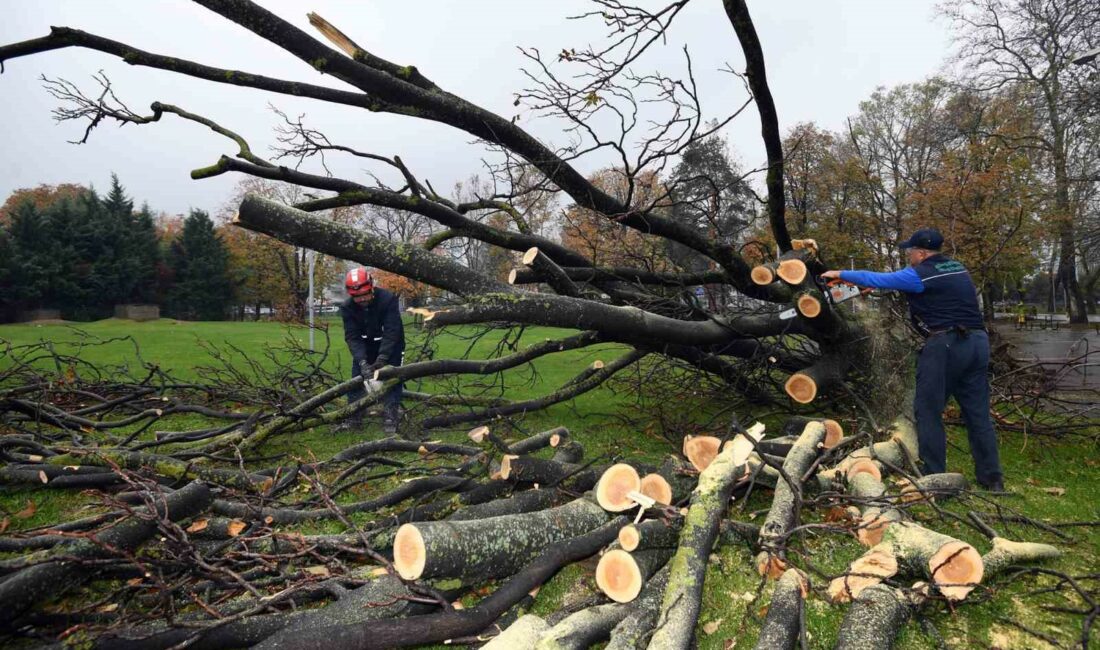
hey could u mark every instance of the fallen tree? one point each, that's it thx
(473, 529)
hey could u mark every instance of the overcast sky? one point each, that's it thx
(823, 57)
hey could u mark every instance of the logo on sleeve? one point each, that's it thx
(950, 266)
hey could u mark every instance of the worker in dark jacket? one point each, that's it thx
(943, 305)
(376, 338)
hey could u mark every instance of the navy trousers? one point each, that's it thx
(391, 401)
(951, 364)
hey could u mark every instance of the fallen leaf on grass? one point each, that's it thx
(712, 627)
(27, 512)
(1056, 491)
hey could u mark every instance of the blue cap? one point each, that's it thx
(926, 238)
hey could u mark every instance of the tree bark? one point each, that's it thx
(687, 569)
(483, 549)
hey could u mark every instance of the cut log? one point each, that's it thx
(526, 501)
(526, 469)
(687, 570)
(868, 570)
(583, 629)
(873, 524)
(784, 621)
(954, 567)
(570, 452)
(783, 514)
(615, 484)
(523, 634)
(868, 487)
(792, 272)
(434, 628)
(933, 486)
(484, 549)
(657, 488)
(793, 427)
(809, 305)
(878, 614)
(621, 575)
(874, 619)
(654, 533)
(553, 274)
(631, 633)
(701, 450)
(762, 275)
(680, 475)
(550, 438)
(862, 466)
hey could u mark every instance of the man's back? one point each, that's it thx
(949, 298)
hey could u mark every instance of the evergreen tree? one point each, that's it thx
(146, 254)
(199, 261)
(708, 194)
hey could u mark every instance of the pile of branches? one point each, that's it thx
(447, 541)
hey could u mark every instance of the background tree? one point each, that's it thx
(1028, 46)
(270, 272)
(202, 289)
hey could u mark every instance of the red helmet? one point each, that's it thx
(359, 282)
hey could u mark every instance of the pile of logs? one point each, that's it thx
(200, 556)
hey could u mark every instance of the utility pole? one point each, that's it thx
(311, 257)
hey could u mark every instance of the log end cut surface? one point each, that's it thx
(792, 271)
(409, 555)
(618, 576)
(657, 488)
(701, 450)
(762, 275)
(801, 388)
(956, 568)
(809, 306)
(834, 433)
(629, 537)
(615, 484)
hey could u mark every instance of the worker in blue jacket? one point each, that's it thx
(943, 305)
(376, 338)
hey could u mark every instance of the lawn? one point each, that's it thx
(992, 617)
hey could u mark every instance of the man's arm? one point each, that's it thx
(392, 328)
(905, 280)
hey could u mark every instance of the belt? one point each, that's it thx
(961, 330)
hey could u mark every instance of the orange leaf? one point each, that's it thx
(197, 525)
(27, 512)
(235, 527)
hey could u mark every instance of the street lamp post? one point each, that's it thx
(311, 260)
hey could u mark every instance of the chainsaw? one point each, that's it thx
(839, 291)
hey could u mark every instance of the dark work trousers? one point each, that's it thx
(951, 364)
(391, 402)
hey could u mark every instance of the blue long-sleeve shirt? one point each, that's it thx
(905, 280)
(940, 292)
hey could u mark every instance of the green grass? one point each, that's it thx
(732, 594)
